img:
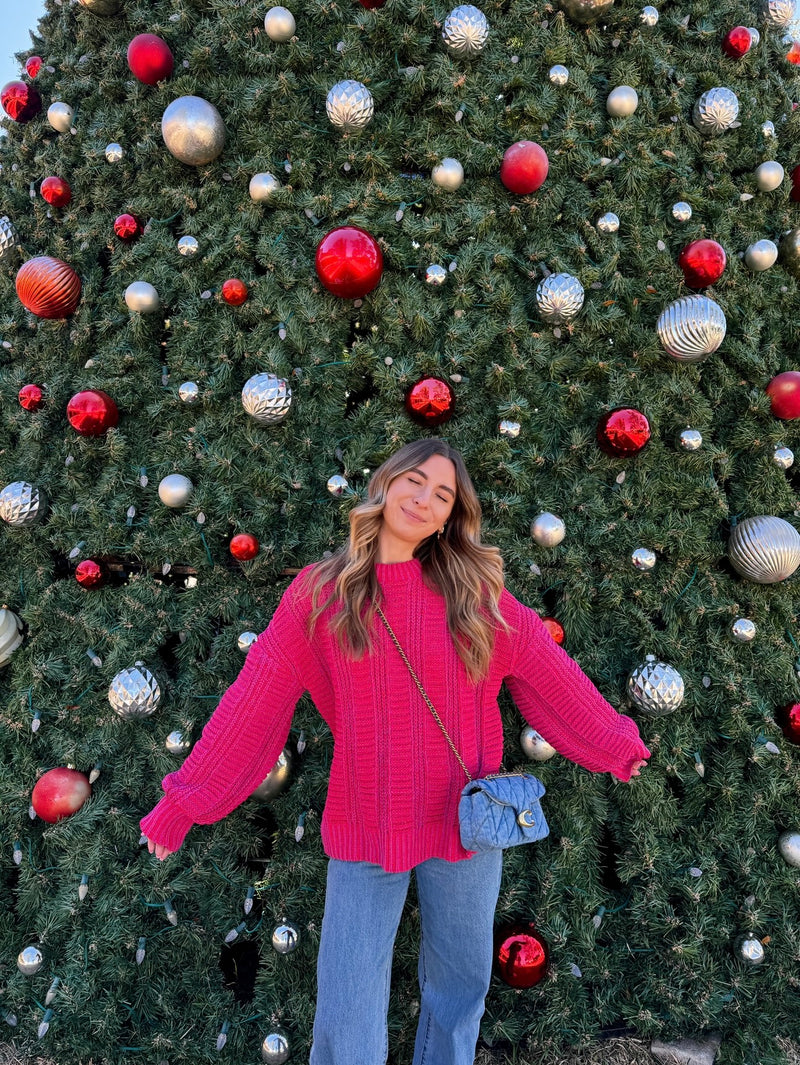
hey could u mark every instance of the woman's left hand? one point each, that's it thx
(637, 766)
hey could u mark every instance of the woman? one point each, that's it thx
(415, 551)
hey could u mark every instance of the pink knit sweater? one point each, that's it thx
(394, 782)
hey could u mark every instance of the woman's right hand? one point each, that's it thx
(161, 852)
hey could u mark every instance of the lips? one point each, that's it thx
(412, 517)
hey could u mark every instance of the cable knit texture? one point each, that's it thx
(394, 782)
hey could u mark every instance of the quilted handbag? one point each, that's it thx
(501, 810)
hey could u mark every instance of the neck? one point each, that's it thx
(390, 549)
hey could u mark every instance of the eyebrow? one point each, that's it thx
(444, 487)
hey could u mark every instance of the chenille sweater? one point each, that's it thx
(394, 782)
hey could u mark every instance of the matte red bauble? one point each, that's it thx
(555, 628)
(128, 227)
(794, 195)
(243, 546)
(55, 191)
(736, 42)
(234, 291)
(371, 4)
(33, 64)
(521, 955)
(702, 262)
(430, 401)
(623, 431)
(789, 721)
(59, 793)
(30, 397)
(349, 262)
(150, 59)
(784, 395)
(90, 574)
(524, 167)
(92, 412)
(20, 101)
(48, 287)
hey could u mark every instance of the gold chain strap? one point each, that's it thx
(422, 693)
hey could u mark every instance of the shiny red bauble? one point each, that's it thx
(20, 101)
(243, 547)
(234, 291)
(90, 574)
(150, 58)
(702, 262)
(128, 227)
(33, 64)
(521, 955)
(555, 628)
(737, 42)
(48, 287)
(793, 55)
(623, 431)
(59, 793)
(31, 397)
(349, 262)
(55, 191)
(789, 721)
(430, 401)
(784, 395)
(92, 412)
(524, 167)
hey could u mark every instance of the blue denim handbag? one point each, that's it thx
(497, 811)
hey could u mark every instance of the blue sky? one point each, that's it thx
(16, 18)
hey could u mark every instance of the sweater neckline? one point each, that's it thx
(389, 573)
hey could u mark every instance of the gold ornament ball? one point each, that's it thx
(548, 530)
(449, 174)
(535, 746)
(280, 24)
(263, 187)
(174, 490)
(30, 961)
(789, 251)
(789, 847)
(141, 296)
(193, 130)
(622, 101)
(277, 779)
(60, 116)
(761, 255)
(102, 7)
(585, 12)
(769, 175)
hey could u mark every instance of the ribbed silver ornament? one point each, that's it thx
(349, 106)
(778, 13)
(134, 692)
(764, 549)
(715, 111)
(656, 687)
(465, 30)
(21, 503)
(9, 238)
(267, 398)
(691, 328)
(559, 297)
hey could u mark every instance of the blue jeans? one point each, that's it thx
(363, 904)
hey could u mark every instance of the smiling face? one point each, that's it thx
(418, 503)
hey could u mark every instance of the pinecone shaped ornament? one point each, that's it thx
(267, 398)
(349, 106)
(21, 503)
(9, 238)
(778, 13)
(716, 111)
(559, 297)
(466, 30)
(134, 692)
(656, 687)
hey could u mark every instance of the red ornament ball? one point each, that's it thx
(33, 64)
(92, 412)
(784, 395)
(555, 628)
(703, 263)
(430, 401)
(31, 397)
(55, 191)
(150, 58)
(234, 292)
(524, 167)
(90, 574)
(48, 287)
(623, 431)
(794, 195)
(789, 721)
(793, 55)
(128, 227)
(737, 42)
(349, 262)
(20, 101)
(243, 547)
(521, 955)
(370, 5)
(59, 793)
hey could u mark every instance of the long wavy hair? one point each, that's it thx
(466, 572)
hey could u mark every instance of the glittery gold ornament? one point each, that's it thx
(585, 12)
(193, 130)
(349, 106)
(764, 549)
(465, 30)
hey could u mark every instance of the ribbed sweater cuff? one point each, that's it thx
(167, 824)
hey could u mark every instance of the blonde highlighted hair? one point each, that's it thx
(466, 572)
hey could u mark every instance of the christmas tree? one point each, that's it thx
(246, 254)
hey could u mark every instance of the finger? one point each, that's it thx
(151, 846)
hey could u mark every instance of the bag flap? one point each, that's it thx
(519, 790)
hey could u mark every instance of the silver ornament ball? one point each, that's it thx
(449, 174)
(656, 687)
(9, 238)
(280, 24)
(267, 398)
(188, 246)
(789, 847)
(743, 630)
(608, 222)
(246, 640)
(749, 949)
(60, 116)
(558, 75)
(783, 457)
(764, 549)
(509, 429)
(691, 328)
(715, 111)
(286, 937)
(649, 15)
(535, 746)
(691, 439)
(338, 485)
(778, 13)
(435, 275)
(755, 40)
(176, 743)
(141, 296)
(134, 693)
(622, 101)
(585, 12)
(188, 392)
(30, 961)
(548, 530)
(349, 106)
(275, 1048)
(193, 130)
(114, 152)
(761, 255)
(769, 175)
(276, 780)
(767, 128)
(263, 187)
(174, 490)
(21, 503)
(643, 559)
(559, 297)
(681, 211)
(465, 31)
(10, 634)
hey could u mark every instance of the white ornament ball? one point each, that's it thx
(189, 392)
(743, 630)
(188, 246)
(449, 174)
(643, 559)
(548, 530)
(769, 175)
(30, 961)
(174, 490)
(263, 187)
(114, 152)
(789, 847)
(681, 211)
(280, 24)
(142, 296)
(558, 75)
(783, 457)
(193, 130)
(761, 255)
(535, 746)
(608, 222)
(246, 640)
(622, 101)
(60, 116)
(649, 15)
(10, 634)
